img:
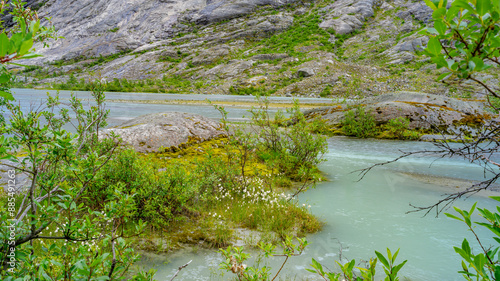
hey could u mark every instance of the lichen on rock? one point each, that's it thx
(424, 111)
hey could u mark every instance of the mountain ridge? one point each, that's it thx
(294, 48)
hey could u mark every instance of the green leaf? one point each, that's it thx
(30, 56)
(4, 78)
(430, 4)
(453, 217)
(471, 65)
(382, 259)
(310, 270)
(4, 45)
(434, 46)
(6, 95)
(16, 41)
(442, 77)
(25, 47)
(497, 272)
(431, 30)
(442, 4)
(440, 27)
(479, 63)
(440, 62)
(438, 14)
(483, 6)
(398, 267)
(464, 4)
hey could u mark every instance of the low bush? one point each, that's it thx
(359, 123)
(398, 128)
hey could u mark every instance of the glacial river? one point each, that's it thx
(360, 216)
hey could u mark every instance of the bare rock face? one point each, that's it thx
(159, 131)
(346, 16)
(220, 10)
(425, 111)
(404, 51)
(418, 10)
(102, 27)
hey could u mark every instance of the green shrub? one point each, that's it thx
(160, 198)
(398, 128)
(295, 150)
(359, 123)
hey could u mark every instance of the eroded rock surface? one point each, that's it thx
(425, 111)
(159, 131)
(346, 16)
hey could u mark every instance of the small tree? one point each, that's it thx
(46, 232)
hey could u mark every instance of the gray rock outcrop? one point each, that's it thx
(346, 16)
(305, 72)
(220, 10)
(424, 111)
(404, 51)
(170, 130)
(102, 27)
(417, 10)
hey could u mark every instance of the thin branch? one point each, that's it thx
(113, 262)
(180, 268)
(485, 86)
(282, 265)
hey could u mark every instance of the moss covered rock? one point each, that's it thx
(426, 112)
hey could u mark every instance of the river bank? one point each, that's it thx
(361, 216)
(367, 215)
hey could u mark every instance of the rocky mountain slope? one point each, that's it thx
(343, 48)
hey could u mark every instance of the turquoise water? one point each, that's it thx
(360, 216)
(368, 215)
(123, 111)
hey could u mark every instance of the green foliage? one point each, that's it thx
(390, 267)
(348, 270)
(168, 84)
(465, 37)
(484, 265)
(61, 166)
(305, 31)
(359, 123)
(17, 43)
(294, 150)
(158, 198)
(236, 258)
(57, 236)
(326, 91)
(398, 129)
(255, 91)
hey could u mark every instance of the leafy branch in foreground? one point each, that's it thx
(464, 39)
(236, 258)
(17, 43)
(486, 264)
(348, 269)
(57, 236)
